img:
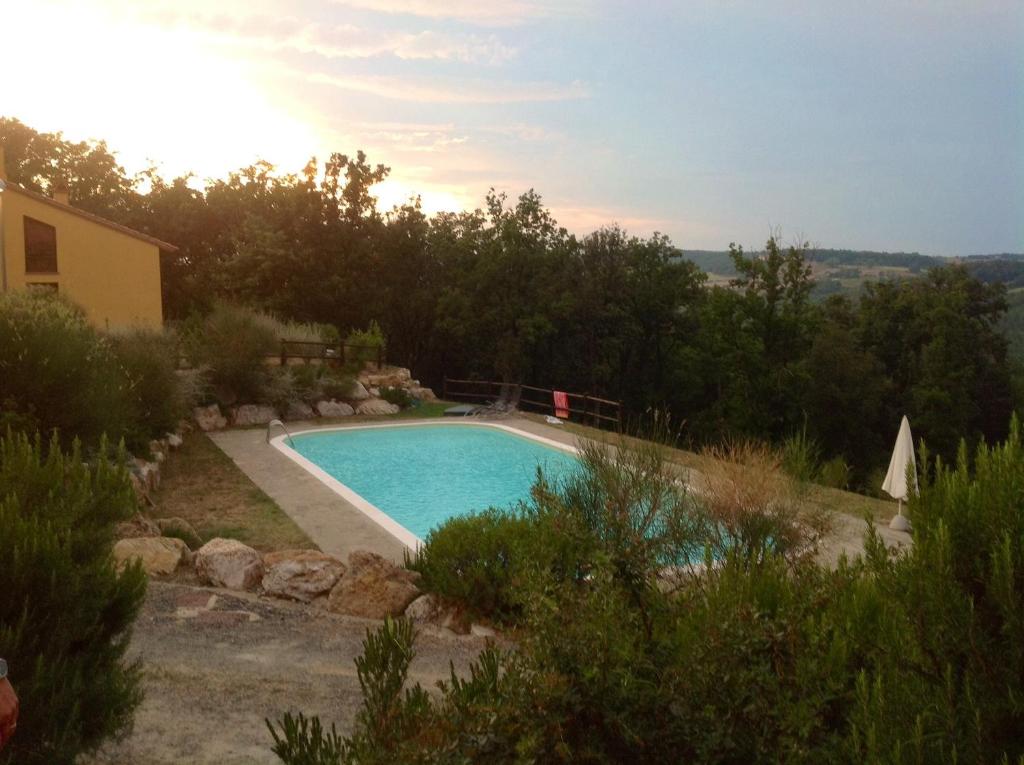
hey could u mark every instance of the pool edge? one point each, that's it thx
(354, 498)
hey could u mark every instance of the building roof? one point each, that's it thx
(165, 246)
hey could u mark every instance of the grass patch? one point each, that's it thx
(202, 485)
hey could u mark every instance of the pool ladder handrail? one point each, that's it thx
(272, 423)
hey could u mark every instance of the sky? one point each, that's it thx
(879, 124)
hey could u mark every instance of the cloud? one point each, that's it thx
(340, 41)
(450, 92)
(493, 13)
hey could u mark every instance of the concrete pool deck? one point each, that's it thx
(338, 527)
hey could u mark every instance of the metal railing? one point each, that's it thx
(583, 407)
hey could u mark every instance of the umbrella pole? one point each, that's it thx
(899, 522)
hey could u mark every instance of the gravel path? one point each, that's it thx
(218, 663)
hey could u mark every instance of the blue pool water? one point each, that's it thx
(422, 475)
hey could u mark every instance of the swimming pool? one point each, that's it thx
(411, 478)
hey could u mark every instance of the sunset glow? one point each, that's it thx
(640, 120)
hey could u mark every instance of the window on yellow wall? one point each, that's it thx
(40, 247)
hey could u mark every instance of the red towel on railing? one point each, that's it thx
(561, 404)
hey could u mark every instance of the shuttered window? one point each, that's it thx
(40, 247)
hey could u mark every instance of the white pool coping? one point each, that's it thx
(371, 511)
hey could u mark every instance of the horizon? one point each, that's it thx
(703, 121)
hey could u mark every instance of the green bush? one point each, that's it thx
(155, 392)
(366, 343)
(233, 344)
(800, 456)
(58, 373)
(336, 385)
(397, 396)
(835, 473)
(477, 559)
(65, 612)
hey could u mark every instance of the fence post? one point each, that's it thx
(284, 354)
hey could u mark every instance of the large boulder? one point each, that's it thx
(373, 587)
(376, 406)
(229, 563)
(180, 528)
(298, 410)
(300, 574)
(209, 417)
(252, 414)
(138, 526)
(334, 409)
(358, 392)
(420, 393)
(159, 555)
(389, 377)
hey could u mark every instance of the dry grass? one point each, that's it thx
(202, 485)
(748, 495)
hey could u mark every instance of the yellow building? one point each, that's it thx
(111, 271)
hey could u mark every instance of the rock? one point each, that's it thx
(158, 448)
(420, 393)
(209, 417)
(148, 473)
(300, 574)
(457, 621)
(373, 587)
(174, 441)
(229, 563)
(251, 414)
(374, 392)
(159, 555)
(423, 609)
(358, 392)
(389, 377)
(334, 409)
(298, 410)
(480, 630)
(181, 529)
(376, 406)
(138, 526)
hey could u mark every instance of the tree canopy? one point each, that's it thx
(504, 291)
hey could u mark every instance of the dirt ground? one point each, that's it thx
(218, 663)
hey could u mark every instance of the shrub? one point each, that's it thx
(314, 382)
(155, 391)
(800, 456)
(754, 506)
(397, 396)
(233, 343)
(366, 343)
(477, 559)
(65, 612)
(835, 473)
(335, 385)
(58, 373)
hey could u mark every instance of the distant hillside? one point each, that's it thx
(845, 272)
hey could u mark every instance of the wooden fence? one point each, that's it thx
(337, 353)
(590, 410)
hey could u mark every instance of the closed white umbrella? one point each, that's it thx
(895, 483)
